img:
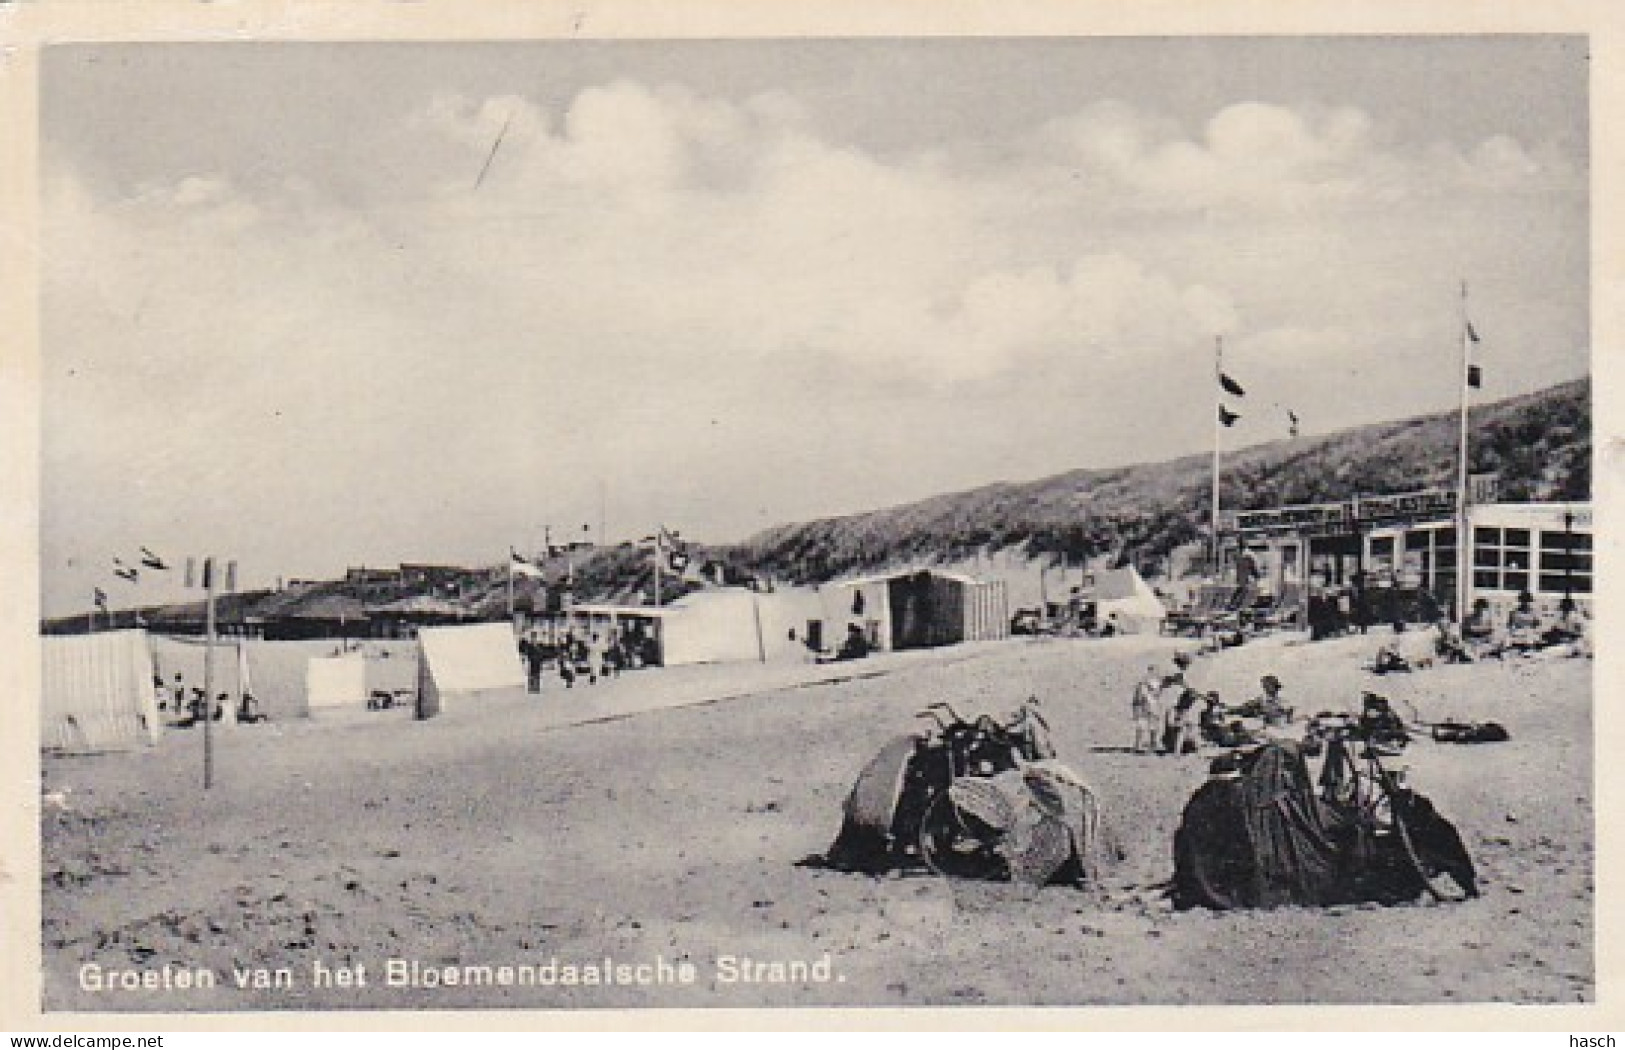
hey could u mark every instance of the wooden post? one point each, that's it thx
(1464, 547)
(660, 553)
(208, 674)
(756, 612)
(1218, 432)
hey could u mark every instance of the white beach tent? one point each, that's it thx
(1124, 595)
(97, 693)
(459, 663)
(709, 627)
(335, 682)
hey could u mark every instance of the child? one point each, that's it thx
(1143, 711)
(1180, 726)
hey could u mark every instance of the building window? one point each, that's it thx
(1382, 556)
(1501, 559)
(1565, 563)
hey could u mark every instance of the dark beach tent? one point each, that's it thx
(869, 837)
(1258, 837)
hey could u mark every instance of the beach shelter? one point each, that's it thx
(712, 627)
(333, 682)
(97, 693)
(918, 608)
(1125, 593)
(460, 663)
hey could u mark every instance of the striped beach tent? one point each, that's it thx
(97, 693)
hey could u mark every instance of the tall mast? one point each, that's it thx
(1218, 430)
(1464, 566)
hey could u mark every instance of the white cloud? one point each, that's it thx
(1264, 158)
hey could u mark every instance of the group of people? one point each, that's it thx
(577, 657)
(1171, 717)
(183, 708)
(1527, 630)
(1359, 606)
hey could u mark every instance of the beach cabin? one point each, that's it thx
(916, 609)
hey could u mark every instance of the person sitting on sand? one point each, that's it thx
(1389, 660)
(248, 712)
(1271, 707)
(856, 646)
(1380, 723)
(1449, 645)
(1569, 626)
(1143, 711)
(1479, 626)
(1219, 727)
(1524, 627)
(1214, 719)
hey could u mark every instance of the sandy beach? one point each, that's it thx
(657, 820)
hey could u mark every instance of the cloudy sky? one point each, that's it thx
(311, 306)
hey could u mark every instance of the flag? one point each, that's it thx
(1227, 417)
(152, 561)
(101, 599)
(1231, 386)
(1475, 375)
(521, 566)
(669, 548)
(1292, 423)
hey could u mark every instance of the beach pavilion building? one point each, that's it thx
(1408, 542)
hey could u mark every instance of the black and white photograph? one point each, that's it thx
(602, 522)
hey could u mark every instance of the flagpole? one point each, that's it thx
(660, 553)
(1464, 566)
(208, 674)
(1218, 430)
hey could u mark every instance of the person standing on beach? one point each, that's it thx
(1143, 710)
(531, 650)
(1181, 725)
